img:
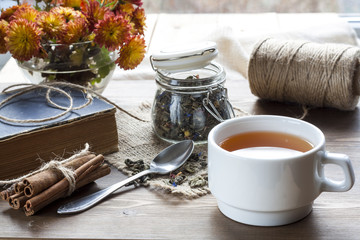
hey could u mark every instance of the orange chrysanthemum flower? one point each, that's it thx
(112, 24)
(132, 53)
(52, 24)
(7, 13)
(139, 21)
(112, 32)
(74, 31)
(23, 39)
(127, 9)
(94, 12)
(68, 13)
(25, 11)
(3, 26)
(71, 3)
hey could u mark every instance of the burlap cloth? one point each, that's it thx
(137, 141)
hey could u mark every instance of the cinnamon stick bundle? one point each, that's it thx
(41, 181)
(59, 190)
(40, 189)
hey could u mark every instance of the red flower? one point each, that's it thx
(112, 24)
(93, 12)
(112, 32)
(7, 13)
(139, 21)
(126, 9)
(136, 2)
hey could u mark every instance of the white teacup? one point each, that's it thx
(276, 190)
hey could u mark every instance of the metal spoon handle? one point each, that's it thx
(90, 200)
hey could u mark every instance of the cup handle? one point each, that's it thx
(342, 160)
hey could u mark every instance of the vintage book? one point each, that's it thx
(25, 146)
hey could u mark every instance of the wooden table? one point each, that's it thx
(144, 214)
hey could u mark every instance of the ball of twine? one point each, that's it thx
(313, 74)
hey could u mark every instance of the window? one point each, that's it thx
(251, 6)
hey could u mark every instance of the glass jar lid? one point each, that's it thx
(183, 58)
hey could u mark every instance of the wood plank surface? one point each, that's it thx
(144, 214)
(141, 213)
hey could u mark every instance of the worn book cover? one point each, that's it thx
(25, 146)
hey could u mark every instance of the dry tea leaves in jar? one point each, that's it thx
(182, 115)
(191, 98)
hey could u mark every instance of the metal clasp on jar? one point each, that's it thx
(210, 107)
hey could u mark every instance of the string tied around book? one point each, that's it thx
(57, 165)
(54, 86)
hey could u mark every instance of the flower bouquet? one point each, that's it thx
(77, 41)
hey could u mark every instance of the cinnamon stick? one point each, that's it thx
(19, 187)
(17, 200)
(5, 194)
(20, 202)
(102, 171)
(60, 189)
(43, 180)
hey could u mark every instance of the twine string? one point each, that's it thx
(19, 89)
(311, 74)
(54, 86)
(68, 173)
(31, 88)
(57, 165)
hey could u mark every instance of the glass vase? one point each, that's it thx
(83, 63)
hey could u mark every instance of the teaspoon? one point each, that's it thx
(168, 160)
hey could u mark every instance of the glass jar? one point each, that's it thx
(189, 103)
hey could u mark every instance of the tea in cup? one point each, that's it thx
(268, 170)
